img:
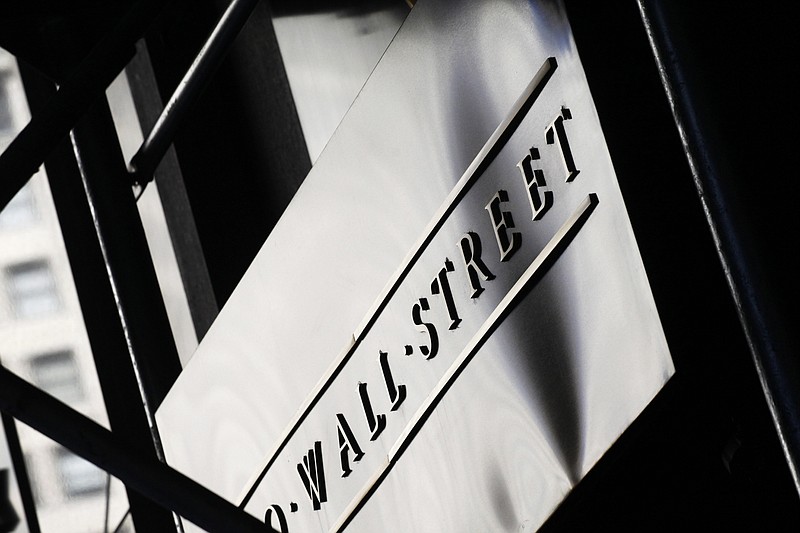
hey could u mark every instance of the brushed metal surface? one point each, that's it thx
(565, 370)
(328, 53)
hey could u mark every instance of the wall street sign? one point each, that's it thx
(451, 323)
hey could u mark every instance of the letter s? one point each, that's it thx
(426, 327)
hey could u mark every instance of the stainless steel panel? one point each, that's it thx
(531, 405)
(329, 52)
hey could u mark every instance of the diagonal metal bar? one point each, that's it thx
(144, 163)
(146, 475)
(88, 82)
(174, 199)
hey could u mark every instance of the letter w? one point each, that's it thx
(313, 476)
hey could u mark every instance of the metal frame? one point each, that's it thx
(142, 327)
(86, 84)
(241, 150)
(174, 199)
(104, 326)
(138, 471)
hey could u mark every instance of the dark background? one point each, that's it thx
(705, 453)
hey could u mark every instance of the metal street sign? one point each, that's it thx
(451, 323)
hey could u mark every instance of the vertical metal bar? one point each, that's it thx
(114, 367)
(208, 59)
(144, 474)
(21, 473)
(776, 364)
(127, 257)
(140, 306)
(174, 199)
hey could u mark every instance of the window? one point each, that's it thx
(6, 120)
(78, 476)
(20, 211)
(32, 289)
(57, 374)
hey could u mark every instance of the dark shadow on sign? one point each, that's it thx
(567, 434)
(549, 369)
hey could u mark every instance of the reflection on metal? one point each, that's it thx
(328, 384)
(533, 274)
(329, 50)
(484, 157)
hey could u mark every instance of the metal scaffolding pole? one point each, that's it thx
(142, 473)
(144, 163)
(109, 347)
